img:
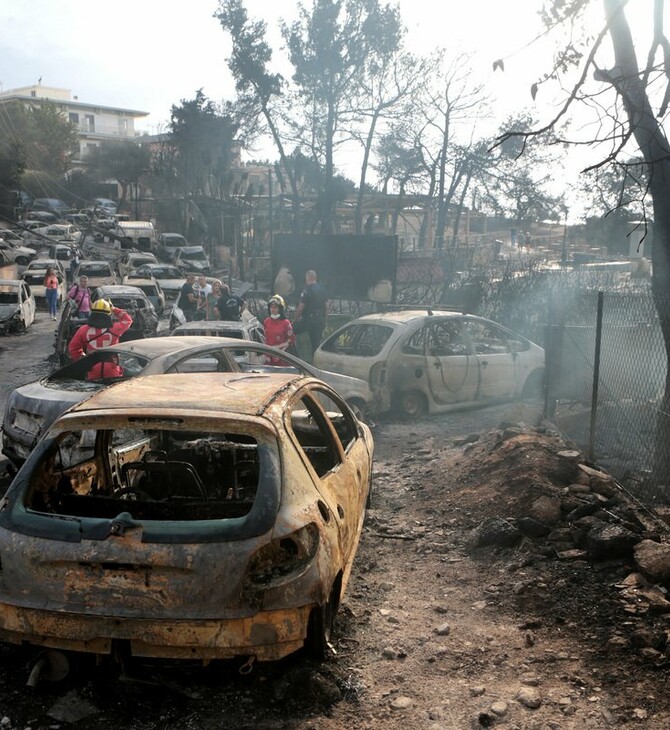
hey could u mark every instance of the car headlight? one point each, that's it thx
(283, 557)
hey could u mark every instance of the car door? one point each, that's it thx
(330, 442)
(27, 304)
(497, 362)
(452, 367)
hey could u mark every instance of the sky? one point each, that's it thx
(149, 54)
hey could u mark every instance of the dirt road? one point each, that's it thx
(432, 634)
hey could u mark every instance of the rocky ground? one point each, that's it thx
(499, 583)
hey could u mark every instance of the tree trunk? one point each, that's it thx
(653, 144)
(358, 215)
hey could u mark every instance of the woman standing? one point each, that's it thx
(278, 329)
(51, 290)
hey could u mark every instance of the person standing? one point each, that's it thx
(201, 290)
(51, 284)
(230, 306)
(311, 310)
(106, 324)
(212, 301)
(277, 328)
(188, 302)
(74, 264)
(81, 295)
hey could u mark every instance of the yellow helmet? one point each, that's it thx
(102, 305)
(276, 299)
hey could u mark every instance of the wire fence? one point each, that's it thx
(606, 392)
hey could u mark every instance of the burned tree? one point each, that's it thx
(640, 94)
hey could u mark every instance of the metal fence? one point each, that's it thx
(606, 375)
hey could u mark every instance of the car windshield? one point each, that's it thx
(359, 339)
(79, 374)
(95, 270)
(193, 255)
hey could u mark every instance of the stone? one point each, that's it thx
(477, 691)
(443, 630)
(529, 697)
(546, 509)
(495, 531)
(605, 542)
(71, 708)
(499, 708)
(653, 560)
(532, 527)
(402, 703)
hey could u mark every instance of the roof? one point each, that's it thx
(14, 283)
(118, 289)
(208, 394)
(153, 347)
(407, 315)
(216, 324)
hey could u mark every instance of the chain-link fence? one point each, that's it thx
(606, 375)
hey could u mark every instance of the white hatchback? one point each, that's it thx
(422, 361)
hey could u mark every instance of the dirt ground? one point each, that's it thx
(433, 633)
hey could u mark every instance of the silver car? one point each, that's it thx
(420, 361)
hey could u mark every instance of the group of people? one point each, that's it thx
(200, 300)
(310, 317)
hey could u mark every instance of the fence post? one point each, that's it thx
(553, 352)
(596, 376)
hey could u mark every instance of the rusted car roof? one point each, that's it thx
(242, 393)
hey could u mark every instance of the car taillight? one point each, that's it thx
(378, 375)
(284, 556)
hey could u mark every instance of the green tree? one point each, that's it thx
(125, 162)
(201, 137)
(329, 47)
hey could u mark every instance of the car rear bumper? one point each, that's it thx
(268, 635)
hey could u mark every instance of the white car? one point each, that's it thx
(422, 361)
(99, 273)
(133, 260)
(152, 289)
(167, 275)
(17, 305)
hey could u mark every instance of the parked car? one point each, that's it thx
(192, 259)
(79, 220)
(60, 233)
(134, 301)
(253, 357)
(17, 306)
(169, 277)
(19, 254)
(50, 205)
(34, 275)
(64, 252)
(105, 205)
(422, 361)
(200, 516)
(168, 243)
(33, 407)
(99, 273)
(131, 260)
(153, 291)
(251, 331)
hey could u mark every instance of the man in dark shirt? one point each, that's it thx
(188, 301)
(311, 310)
(230, 306)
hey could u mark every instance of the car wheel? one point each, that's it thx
(320, 628)
(533, 388)
(412, 404)
(358, 408)
(20, 327)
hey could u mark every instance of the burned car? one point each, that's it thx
(194, 516)
(33, 407)
(130, 298)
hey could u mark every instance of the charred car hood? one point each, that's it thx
(7, 311)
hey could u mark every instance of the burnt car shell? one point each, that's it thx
(85, 567)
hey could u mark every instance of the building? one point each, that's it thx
(94, 123)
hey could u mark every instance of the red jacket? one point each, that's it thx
(278, 333)
(87, 339)
(105, 369)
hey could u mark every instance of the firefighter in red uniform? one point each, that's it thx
(106, 324)
(278, 329)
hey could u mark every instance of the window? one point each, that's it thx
(74, 117)
(89, 122)
(487, 339)
(445, 338)
(359, 339)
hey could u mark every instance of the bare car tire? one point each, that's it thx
(320, 628)
(412, 404)
(358, 408)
